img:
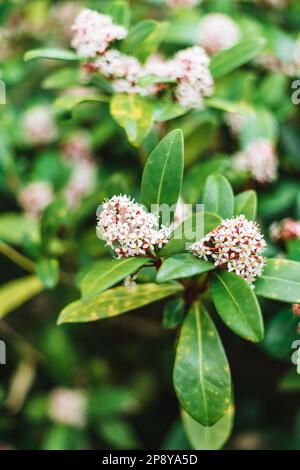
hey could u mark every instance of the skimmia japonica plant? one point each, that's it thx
(223, 271)
(149, 176)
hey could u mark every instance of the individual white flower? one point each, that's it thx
(259, 159)
(129, 282)
(77, 147)
(69, 407)
(285, 230)
(81, 183)
(182, 3)
(94, 32)
(191, 69)
(126, 227)
(218, 32)
(236, 245)
(35, 197)
(38, 125)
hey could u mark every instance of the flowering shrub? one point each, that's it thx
(149, 177)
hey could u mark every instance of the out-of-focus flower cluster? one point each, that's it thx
(35, 197)
(68, 407)
(182, 3)
(187, 73)
(259, 160)
(38, 125)
(218, 32)
(236, 245)
(286, 229)
(126, 227)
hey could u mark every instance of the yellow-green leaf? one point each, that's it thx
(15, 293)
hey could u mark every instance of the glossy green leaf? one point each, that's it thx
(144, 38)
(116, 301)
(14, 228)
(201, 372)
(109, 272)
(208, 438)
(135, 114)
(173, 313)
(218, 196)
(237, 305)
(246, 203)
(120, 12)
(48, 272)
(280, 281)
(163, 173)
(53, 54)
(189, 231)
(230, 59)
(15, 293)
(281, 331)
(181, 266)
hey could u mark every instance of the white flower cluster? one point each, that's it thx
(77, 147)
(235, 245)
(69, 407)
(235, 122)
(218, 32)
(81, 183)
(38, 125)
(126, 227)
(193, 75)
(259, 159)
(182, 3)
(285, 230)
(35, 197)
(94, 32)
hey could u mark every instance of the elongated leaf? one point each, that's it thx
(162, 177)
(135, 114)
(237, 305)
(68, 102)
(173, 313)
(116, 301)
(180, 266)
(14, 228)
(48, 272)
(15, 293)
(201, 372)
(246, 203)
(280, 281)
(189, 231)
(281, 331)
(120, 12)
(53, 54)
(212, 438)
(109, 272)
(218, 196)
(232, 58)
(62, 78)
(144, 38)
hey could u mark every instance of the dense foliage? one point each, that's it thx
(150, 223)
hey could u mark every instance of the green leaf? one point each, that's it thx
(189, 231)
(109, 272)
(231, 59)
(163, 173)
(218, 196)
(181, 266)
(68, 102)
(120, 13)
(53, 54)
(135, 114)
(173, 313)
(48, 272)
(116, 301)
(201, 372)
(14, 228)
(237, 305)
(62, 78)
(246, 203)
(144, 38)
(15, 293)
(281, 331)
(54, 216)
(280, 281)
(212, 438)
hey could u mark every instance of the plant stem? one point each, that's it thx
(17, 257)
